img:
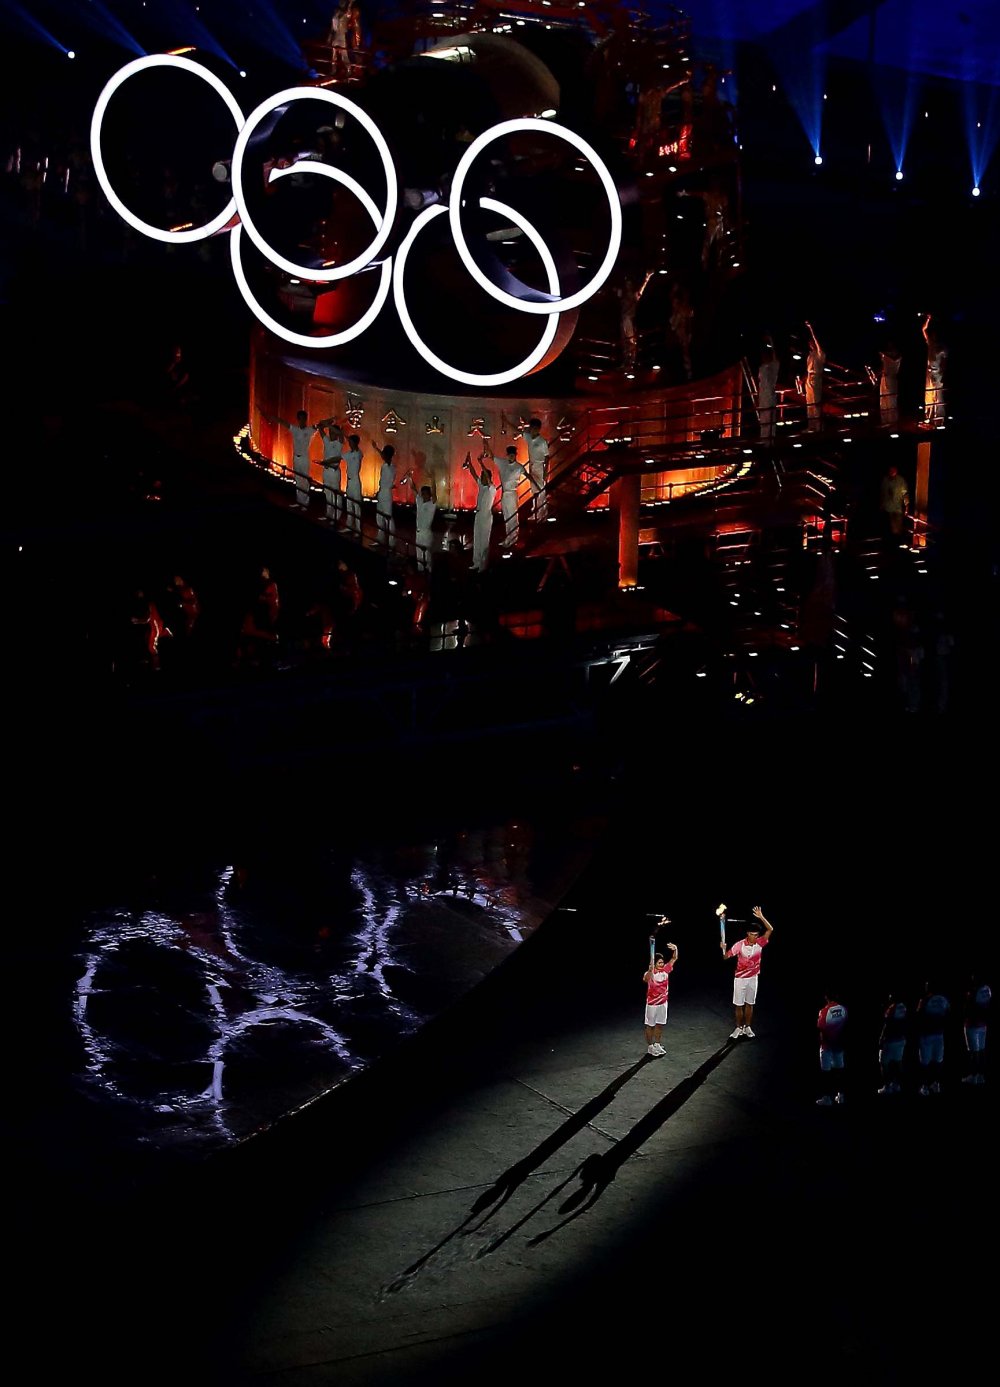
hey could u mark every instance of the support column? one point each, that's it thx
(921, 491)
(625, 499)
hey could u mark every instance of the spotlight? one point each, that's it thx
(70, 53)
(818, 159)
(243, 72)
(549, 114)
(975, 191)
(899, 175)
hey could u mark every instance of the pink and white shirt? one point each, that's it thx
(658, 985)
(747, 957)
(831, 1022)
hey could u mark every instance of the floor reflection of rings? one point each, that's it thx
(248, 992)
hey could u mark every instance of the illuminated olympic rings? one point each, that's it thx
(236, 217)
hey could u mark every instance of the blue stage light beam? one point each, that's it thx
(180, 23)
(26, 23)
(982, 128)
(897, 97)
(269, 31)
(95, 16)
(802, 74)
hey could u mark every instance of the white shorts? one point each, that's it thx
(830, 1059)
(656, 1016)
(931, 1049)
(744, 991)
(975, 1038)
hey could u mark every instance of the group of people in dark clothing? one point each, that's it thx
(913, 1042)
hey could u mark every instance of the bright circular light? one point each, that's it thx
(383, 222)
(70, 53)
(975, 191)
(533, 301)
(818, 159)
(198, 233)
(305, 339)
(242, 72)
(469, 377)
(899, 175)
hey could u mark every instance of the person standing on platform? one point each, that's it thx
(383, 500)
(511, 472)
(894, 502)
(425, 509)
(747, 954)
(933, 1010)
(934, 382)
(892, 1047)
(483, 525)
(302, 435)
(888, 384)
(657, 980)
(538, 462)
(815, 364)
(333, 452)
(352, 462)
(767, 390)
(831, 1023)
(978, 1000)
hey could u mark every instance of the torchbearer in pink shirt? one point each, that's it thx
(657, 980)
(747, 954)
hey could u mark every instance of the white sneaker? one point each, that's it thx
(924, 1091)
(935, 1087)
(980, 1078)
(735, 1035)
(970, 1079)
(748, 1033)
(658, 1048)
(650, 1051)
(825, 1102)
(838, 1098)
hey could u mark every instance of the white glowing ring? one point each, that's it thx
(198, 233)
(383, 221)
(301, 339)
(509, 127)
(468, 377)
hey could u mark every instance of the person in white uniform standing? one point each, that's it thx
(483, 525)
(888, 385)
(511, 473)
(333, 451)
(352, 461)
(538, 458)
(302, 435)
(426, 510)
(767, 386)
(934, 383)
(815, 362)
(383, 500)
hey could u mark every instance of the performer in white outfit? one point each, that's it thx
(767, 385)
(333, 451)
(934, 383)
(383, 501)
(302, 435)
(352, 461)
(538, 457)
(815, 361)
(426, 510)
(483, 525)
(888, 384)
(511, 474)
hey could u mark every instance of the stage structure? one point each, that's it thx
(477, 214)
